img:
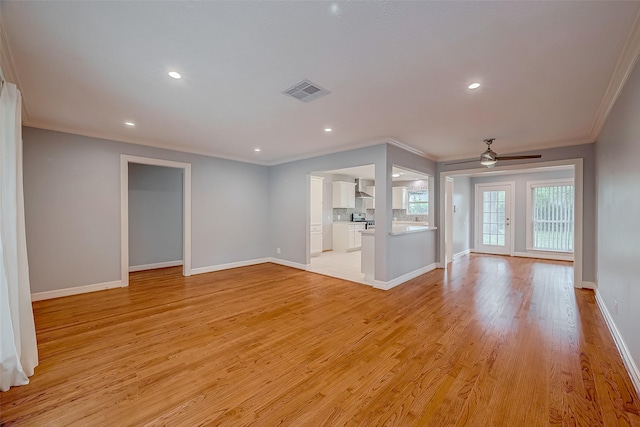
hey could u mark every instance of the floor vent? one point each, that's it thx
(306, 91)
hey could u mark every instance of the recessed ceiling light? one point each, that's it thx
(175, 74)
(396, 175)
(130, 124)
(328, 129)
(474, 85)
(257, 150)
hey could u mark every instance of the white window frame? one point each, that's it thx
(428, 202)
(559, 255)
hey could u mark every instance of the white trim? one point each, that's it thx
(411, 149)
(579, 188)
(448, 219)
(462, 253)
(287, 263)
(9, 71)
(622, 71)
(154, 266)
(545, 255)
(529, 209)
(627, 358)
(378, 284)
(279, 261)
(511, 210)
(589, 285)
(124, 211)
(39, 296)
(212, 268)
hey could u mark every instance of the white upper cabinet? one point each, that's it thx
(370, 203)
(344, 194)
(400, 198)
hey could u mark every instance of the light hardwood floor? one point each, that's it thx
(492, 341)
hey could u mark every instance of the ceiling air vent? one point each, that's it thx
(306, 91)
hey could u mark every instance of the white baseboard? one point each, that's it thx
(212, 268)
(629, 363)
(544, 255)
(287, 263)
(154, 266)
(39, 296)
(462, 253)
(589, 285)
(404, 278)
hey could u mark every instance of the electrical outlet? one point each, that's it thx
(615, 307)
(338, 217)
(278, 250)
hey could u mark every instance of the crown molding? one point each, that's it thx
(134, 141)
(7, 65)
(333, 150)
(412, 149)
(621, 73)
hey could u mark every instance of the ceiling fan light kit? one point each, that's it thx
(489, 158)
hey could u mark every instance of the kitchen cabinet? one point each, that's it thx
(315, 216)
(370, 203)
(400, 198)
(344, 194)
(347, 236)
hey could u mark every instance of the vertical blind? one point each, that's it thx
(553, 217)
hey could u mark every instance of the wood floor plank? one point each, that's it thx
(491, 341)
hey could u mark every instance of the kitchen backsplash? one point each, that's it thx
(401, 215)
(345, 214)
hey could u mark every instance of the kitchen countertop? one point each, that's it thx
(405, 229)
(402, 229)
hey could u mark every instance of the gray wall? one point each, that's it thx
(289, 201)
(618, 177)
(462, 217)
(520, 199)
(155, 214)
(586, 152)
(72, 208)
(402, 258)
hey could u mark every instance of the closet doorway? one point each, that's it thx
(185, 170)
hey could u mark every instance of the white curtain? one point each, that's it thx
(18, 349)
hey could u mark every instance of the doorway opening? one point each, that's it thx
(530, 210)
(341, 208)
(125, 214)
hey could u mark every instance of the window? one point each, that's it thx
(550, 216)
(418, 202)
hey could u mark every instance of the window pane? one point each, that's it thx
(419, 208)
(552, 217)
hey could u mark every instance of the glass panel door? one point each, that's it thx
(494, 224)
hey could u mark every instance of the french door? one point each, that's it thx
(494, 218)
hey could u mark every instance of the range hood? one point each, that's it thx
(360, 193)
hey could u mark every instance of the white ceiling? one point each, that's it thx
(395, 70)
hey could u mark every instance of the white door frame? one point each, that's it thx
(579, 205)
(124, 211)
(510, 210)
(448, 241)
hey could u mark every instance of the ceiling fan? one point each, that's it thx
(489, 157)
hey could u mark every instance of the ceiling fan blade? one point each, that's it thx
(459, 163)
(537, 156)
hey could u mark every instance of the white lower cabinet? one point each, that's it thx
(347, 236)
